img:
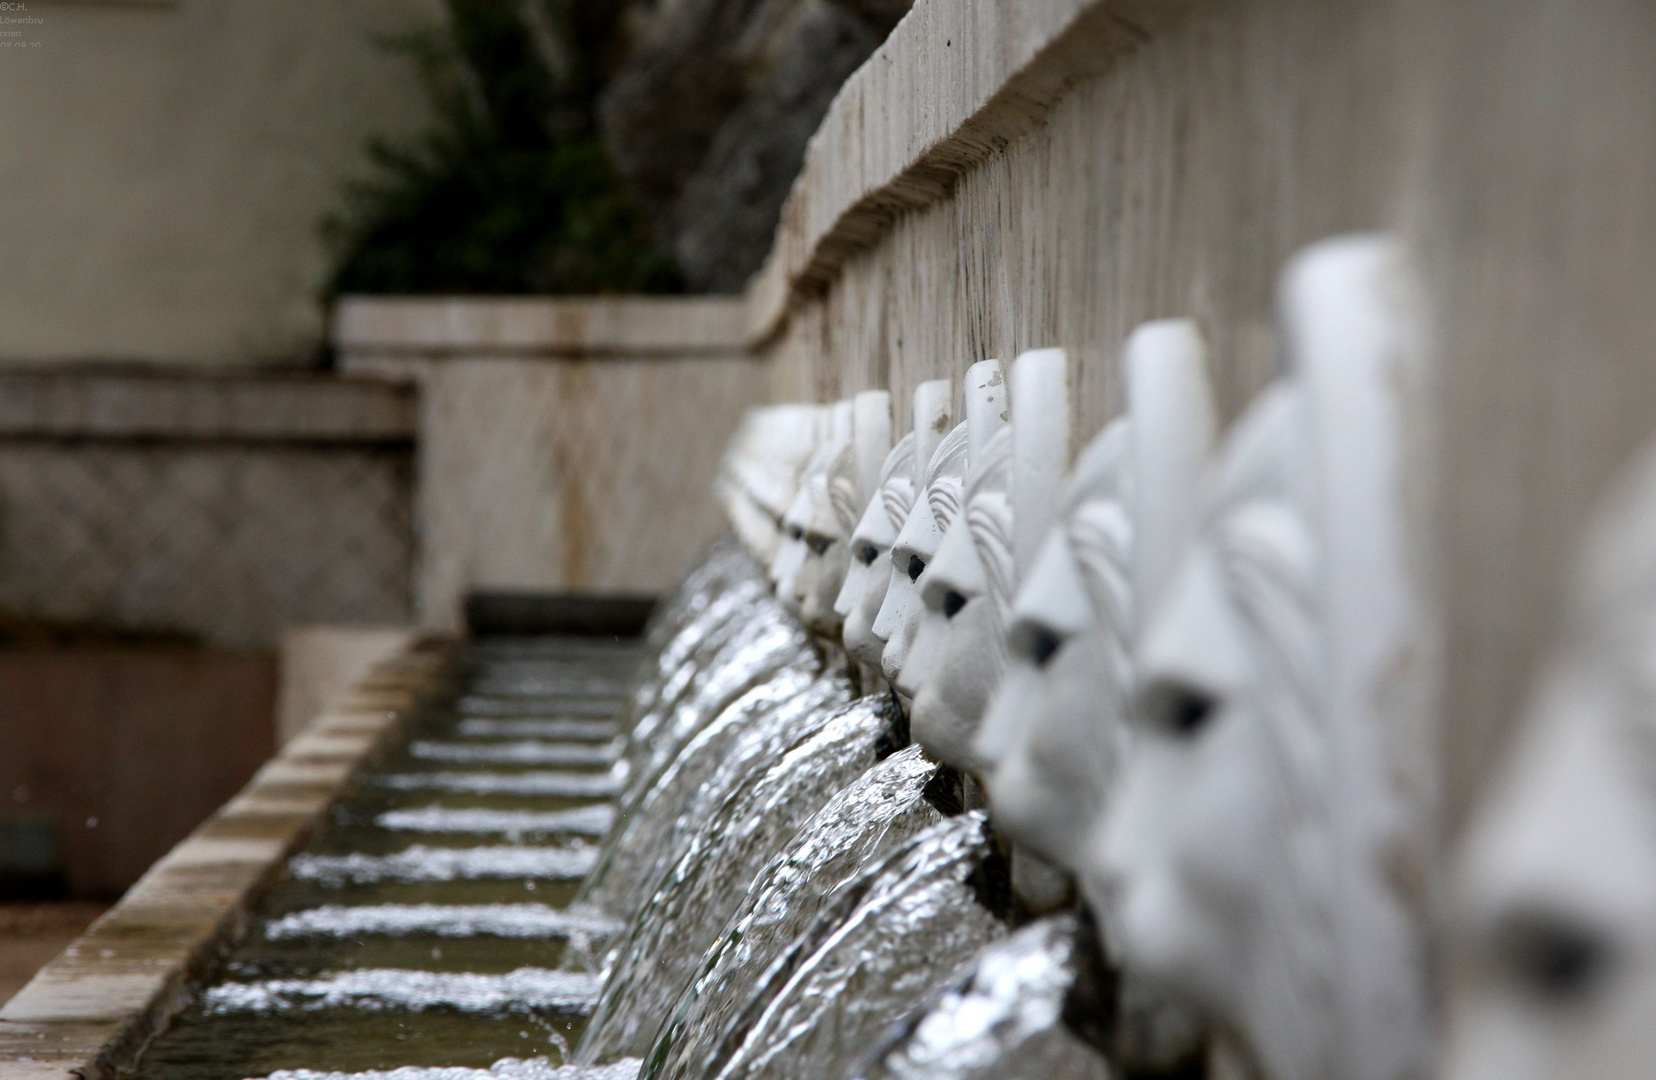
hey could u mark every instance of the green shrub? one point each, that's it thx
(510, 189)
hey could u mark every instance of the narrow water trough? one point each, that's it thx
(392, 890)
(429, 922)
(759, 877)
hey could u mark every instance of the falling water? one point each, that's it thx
(755, 729)
(856, 829)
(1027, 1008)
(730, 639)
(872, 956)
(763, 790)
(755, 641)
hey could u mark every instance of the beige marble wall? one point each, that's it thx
(1049, 173)
(565, 445)
(167, 164)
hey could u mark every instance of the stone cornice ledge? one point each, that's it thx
(953, 84)
(92, 1010)
(465, 326)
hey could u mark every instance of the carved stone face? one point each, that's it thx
(899, 614)
(790, 555)
(958, 654)
(868, 570)
(916, 546)
(1554, 943)
(1049, 742)
(959, 649)
(1203, 858)
(827, 550)
(1552, 934)
(1192, 836)
(759, 475)
(1246, 862)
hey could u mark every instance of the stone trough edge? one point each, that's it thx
(92, 1010)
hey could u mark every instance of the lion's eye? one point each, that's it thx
(916, 567)
(819, 544)
(952, 603)
(867, 554)
(1182, 711)
(1043, 646)
(1554, 959)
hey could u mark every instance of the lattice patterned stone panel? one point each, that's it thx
(231, 542)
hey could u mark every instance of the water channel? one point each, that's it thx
(700, 854)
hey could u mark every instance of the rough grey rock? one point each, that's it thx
(710, 113)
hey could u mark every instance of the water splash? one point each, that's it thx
(438, 920)
(1001, 1019)
(504, 1069)
(516, 753)
(567, 728)
(477, 705)
(434, 864)
(855, 830)
(526, 990)
(873, 955)
(567, 785)
(704, 887)
(594, 820)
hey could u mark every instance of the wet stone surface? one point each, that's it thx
(430, 924)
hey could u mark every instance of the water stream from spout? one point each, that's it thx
(699, 850)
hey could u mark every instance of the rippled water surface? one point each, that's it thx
(698, 850)
(429, 926)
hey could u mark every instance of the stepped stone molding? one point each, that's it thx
(113, 404)
(537, 326)
(92, 1010)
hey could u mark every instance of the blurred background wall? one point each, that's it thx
(259, 381)
(166, 165)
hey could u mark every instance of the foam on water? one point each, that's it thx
(479, 705)
(568, 785)
(522, 728)
(562, 686)
(525, 990)
(421, 863)
(526, 752)
(594, 820)
(439, 920)
(504, 1069)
